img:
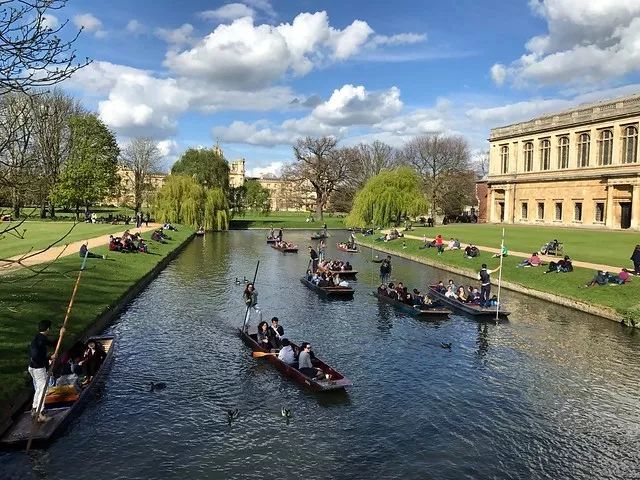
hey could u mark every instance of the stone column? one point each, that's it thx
(508, 198)
(491, 212)
(635, 208)
(609, 207)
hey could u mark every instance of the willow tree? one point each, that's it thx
(386, 198)
(216, 210)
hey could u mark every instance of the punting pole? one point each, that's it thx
(500, 275)
(246, 315)
(56, 351)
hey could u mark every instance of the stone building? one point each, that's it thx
(236, 173)
(574, 168)
(286, 195)
(125, 195)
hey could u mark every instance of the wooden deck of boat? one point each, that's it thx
(469, 308)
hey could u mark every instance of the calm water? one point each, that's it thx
(550, 394)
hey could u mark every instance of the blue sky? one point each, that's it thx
(256, 75)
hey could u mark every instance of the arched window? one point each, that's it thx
(545, 155)
(563, 152)
(584, 144)
(630, 145)
(528, 156)
(504, 159)
(605, 147)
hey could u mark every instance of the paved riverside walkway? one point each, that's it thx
(544, 258)
(36, 257)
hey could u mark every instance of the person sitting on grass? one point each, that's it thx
(439, 244)
(157, 236)
(84, 251)
(503, 252)
(562, 266)
(115, 245)
(427, 244)
(454, 244)
(168, 226)
(471, 251)
(600, 278)
(532, 261)
(142, 246)
(620, 279)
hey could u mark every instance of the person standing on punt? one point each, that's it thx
(250, 297)
(321, 250)
(38, 368)
(313, 255)
(385, 270)
(484, 276)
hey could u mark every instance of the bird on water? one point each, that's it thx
(446, 345)
(232, 415)
(157, 386)
(286, 412)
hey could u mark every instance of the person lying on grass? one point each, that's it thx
(562, 266)
(84, 251)
(532, 261)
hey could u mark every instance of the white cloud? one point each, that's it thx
(135, 27)
(167, 147)
(50, 21)
(348, 42)
(264, 6)
(90, 23)
(177, 37)
(274, 168)
(399, 39)
(587, 43)
(230, 11)
(257, 133)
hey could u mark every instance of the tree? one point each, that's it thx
(90, 173)
(322, 164)
(54, 111)
(458, 191)
(439, 160)
(183, 200)
(387, 198)
(142, 157)
(206, 165)
(256, 196)
(481, 164)
(32, 54)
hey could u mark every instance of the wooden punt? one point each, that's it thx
(200, 233)
(422, 311)
(329, 292)
(293, 249)
(337, 381)
(347, 249)
(319, 236)
(468, 308)
(60, 410)
(272, 239)
(347, 274)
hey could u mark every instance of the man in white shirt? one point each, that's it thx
(287, 355)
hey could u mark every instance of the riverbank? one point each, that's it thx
(285, 220)
(106, 287)
(617, 303)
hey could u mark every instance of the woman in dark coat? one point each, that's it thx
(635, 258)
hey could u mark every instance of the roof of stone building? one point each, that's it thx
(594, 111)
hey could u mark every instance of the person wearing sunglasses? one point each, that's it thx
(305, 365)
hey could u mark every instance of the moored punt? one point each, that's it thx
(336, 382)
(60, 408)
(468, 308)
(422, 311)
(345, 248)
(329, 292)
(293, 249)
(200, 233)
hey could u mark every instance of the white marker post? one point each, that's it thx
(500, 275)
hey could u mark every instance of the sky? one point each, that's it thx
(256, 75)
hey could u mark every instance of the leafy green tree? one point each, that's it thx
(386, 198)
(90, 173)
(257, 198)
(183, 200)
(206, 165)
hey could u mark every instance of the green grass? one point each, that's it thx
(24, 301)
(33, 213)
(594, 246)
(285, 220)
(620, 298)
(38, 235)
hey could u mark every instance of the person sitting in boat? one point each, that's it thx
(441, 288)
(450, 293)
(474, 296)
(407, 298)
(417, 297)
(276, 332)
(286, 353)
(92, 360)
(323, 281)
(399, 290)
(461, 294)
(70, 360)
(452, 285)
(493, 302)
(382, 290)
(304, 362)
(392, 291)
(532, 261)
(263, 336)
(347, 267)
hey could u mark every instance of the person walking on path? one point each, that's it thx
(38, 364)
(635, 258)
(484, 276)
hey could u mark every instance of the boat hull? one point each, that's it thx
(413, 311)
(345, 293)
(338, 382)
(285, 250)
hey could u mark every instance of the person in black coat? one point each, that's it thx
(276, 333)
(635, 258)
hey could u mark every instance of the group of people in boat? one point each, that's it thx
(129, 242)
(469, 294)
(402, 294)
(275, 236)
(82, 360)
(335, 265)
(282, 244)
(324, 279)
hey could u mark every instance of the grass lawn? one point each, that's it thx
(621, 298)
(64, 215)
(284, 220)
(594, 246)
(24, 301)
(38, 235)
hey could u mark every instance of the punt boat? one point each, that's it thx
(293, 249)
(329, 292)
(60, 407)
(272, 239)
(472, 309)
(345, 248)
(347, 274)
(319, 236)
(416, 311)
(337, 381)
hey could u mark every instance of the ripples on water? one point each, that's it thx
(550, 394)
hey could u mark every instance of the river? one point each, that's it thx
(552, 393)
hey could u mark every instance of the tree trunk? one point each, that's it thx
(319, 209)
(77, 212)
(43, 209)
(52, 210)
(15, 203)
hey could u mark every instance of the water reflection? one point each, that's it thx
(550, 394)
